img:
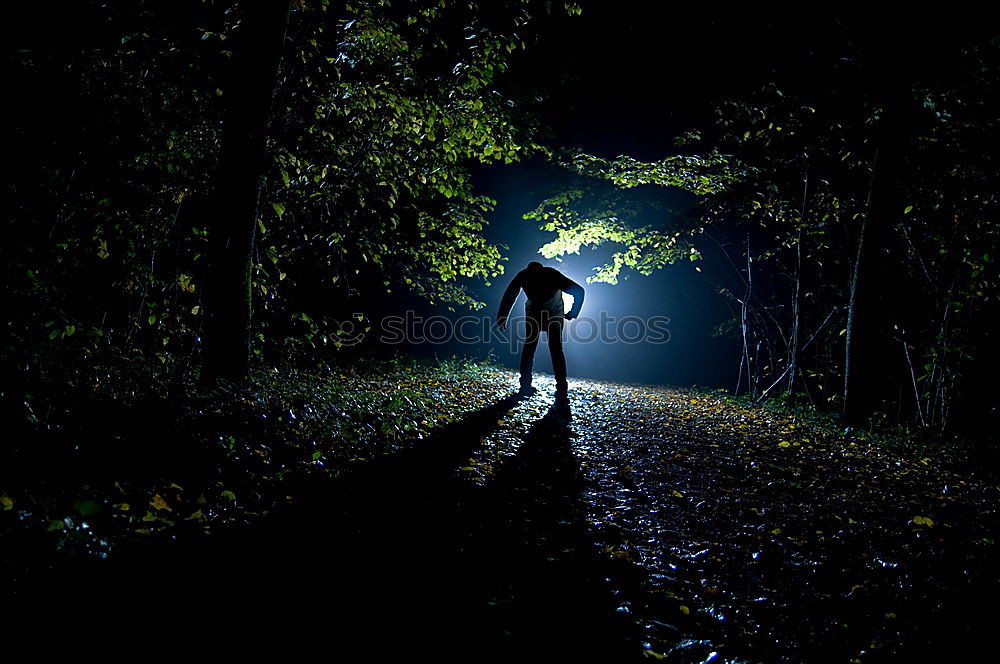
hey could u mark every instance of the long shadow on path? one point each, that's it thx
(555, 601)
(400, 557)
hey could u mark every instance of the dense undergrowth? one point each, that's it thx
(91, 464)
(973, 451)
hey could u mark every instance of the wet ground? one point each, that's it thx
(623, 523)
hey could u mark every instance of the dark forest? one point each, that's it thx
(275, 272)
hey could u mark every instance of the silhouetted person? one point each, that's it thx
(544, 287)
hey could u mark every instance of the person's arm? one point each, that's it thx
(507, 301)
(576, 290)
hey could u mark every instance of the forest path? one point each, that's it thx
(621, 523)
(744, 534)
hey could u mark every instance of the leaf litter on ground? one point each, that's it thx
(731, 532)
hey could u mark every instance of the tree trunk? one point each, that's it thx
(745, 357)
(865, 352)
(851, 412)
(793, 346)
(248, 93)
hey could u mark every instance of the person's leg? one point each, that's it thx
(532, 329)
(555, 329)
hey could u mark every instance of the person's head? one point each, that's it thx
(535, 266)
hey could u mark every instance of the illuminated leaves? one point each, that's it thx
(383, 133)
(600, 209)
(185, 283)
(697, 174)
(596, 214)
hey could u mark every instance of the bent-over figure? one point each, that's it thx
(543, 312)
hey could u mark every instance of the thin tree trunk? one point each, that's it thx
(889, 88)
(745, 358)
(913, 378)
(763, 395)
(793, 345)
(248, 95)
(850, 350)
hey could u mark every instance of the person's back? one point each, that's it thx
(544, 287)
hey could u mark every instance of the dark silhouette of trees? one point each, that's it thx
(841, 215)
(234, 209)
(201, 176)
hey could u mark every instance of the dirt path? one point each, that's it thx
(625, 523)
(738, 534)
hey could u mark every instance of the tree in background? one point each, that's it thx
(833, 213)
(370, 193)
(118, 232)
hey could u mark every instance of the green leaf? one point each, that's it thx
(87, 507)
